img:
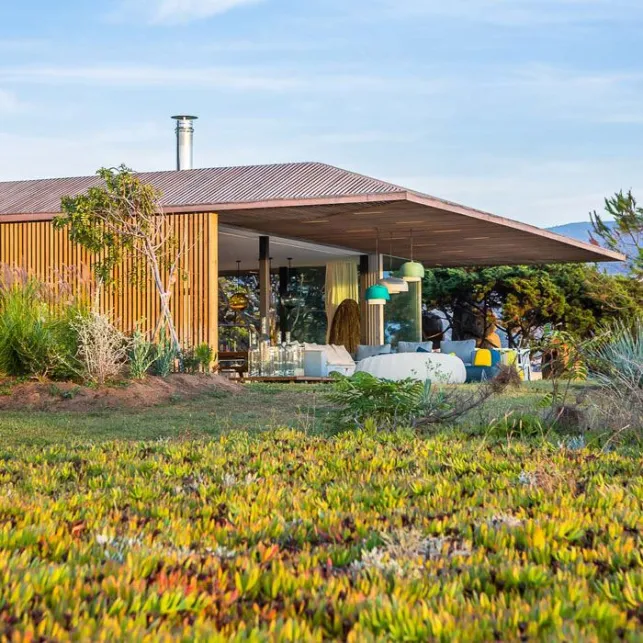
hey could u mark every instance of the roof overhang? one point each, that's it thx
(444, 233)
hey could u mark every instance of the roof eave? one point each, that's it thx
(454, 208)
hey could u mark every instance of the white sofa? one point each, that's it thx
(437, 367)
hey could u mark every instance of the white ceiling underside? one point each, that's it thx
(240, 244)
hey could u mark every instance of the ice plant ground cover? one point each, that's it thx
(284, 536)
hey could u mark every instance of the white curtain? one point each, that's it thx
(342, 283)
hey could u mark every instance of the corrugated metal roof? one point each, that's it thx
(219, 185)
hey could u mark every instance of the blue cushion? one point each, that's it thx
(496, 357)
(464, 349)
(422, 350)
(364, 351)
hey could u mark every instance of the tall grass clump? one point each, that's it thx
(37, 335)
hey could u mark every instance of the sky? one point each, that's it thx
(531, 109)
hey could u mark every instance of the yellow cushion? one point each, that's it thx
(512, 358)
(482, 357)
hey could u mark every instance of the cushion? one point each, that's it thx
(412, 347)
(364, 351)
(422, 350)
(338, 356)
(482, 357)
(464, 349)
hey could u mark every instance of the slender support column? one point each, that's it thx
(283, 313)
(212, 250)
(264, 284)
(372, 322)
(415, 291)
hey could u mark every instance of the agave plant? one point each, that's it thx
(617, 359)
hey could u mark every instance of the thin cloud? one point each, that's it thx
(172, 12)
(517, 12)
(230, 78)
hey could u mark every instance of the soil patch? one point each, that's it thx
(153, 391)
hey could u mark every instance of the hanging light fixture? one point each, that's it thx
(412, 271)
(377, 295)
(239, 301)
(292, 299)
(394, 285)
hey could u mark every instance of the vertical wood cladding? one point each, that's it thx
(48, 254)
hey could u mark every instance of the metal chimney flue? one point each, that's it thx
(184, 138)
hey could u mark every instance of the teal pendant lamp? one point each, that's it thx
(377, 295)
(394, 285)
(412, 271)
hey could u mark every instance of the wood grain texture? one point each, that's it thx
(48, 254)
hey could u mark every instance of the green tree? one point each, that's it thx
(626, 235)
(123, 217)
(521, 300)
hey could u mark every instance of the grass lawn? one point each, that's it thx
(261, 407)
(237, 529)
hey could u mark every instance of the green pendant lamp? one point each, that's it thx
(412, 271)
(394, 285)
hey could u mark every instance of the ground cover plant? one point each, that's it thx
(292, 537)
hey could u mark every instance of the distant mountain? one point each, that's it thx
(581, 231)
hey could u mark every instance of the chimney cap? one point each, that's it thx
(186, 117)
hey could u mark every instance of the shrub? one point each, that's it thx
(190, 361)
(205, 356)
(37, 336)
(197, 359)
(404, 403)
(102, 348)
(363, 396)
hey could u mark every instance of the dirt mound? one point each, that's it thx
(153, 391)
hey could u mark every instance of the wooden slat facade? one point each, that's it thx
(48, 254)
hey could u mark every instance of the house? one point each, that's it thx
(313, 213)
